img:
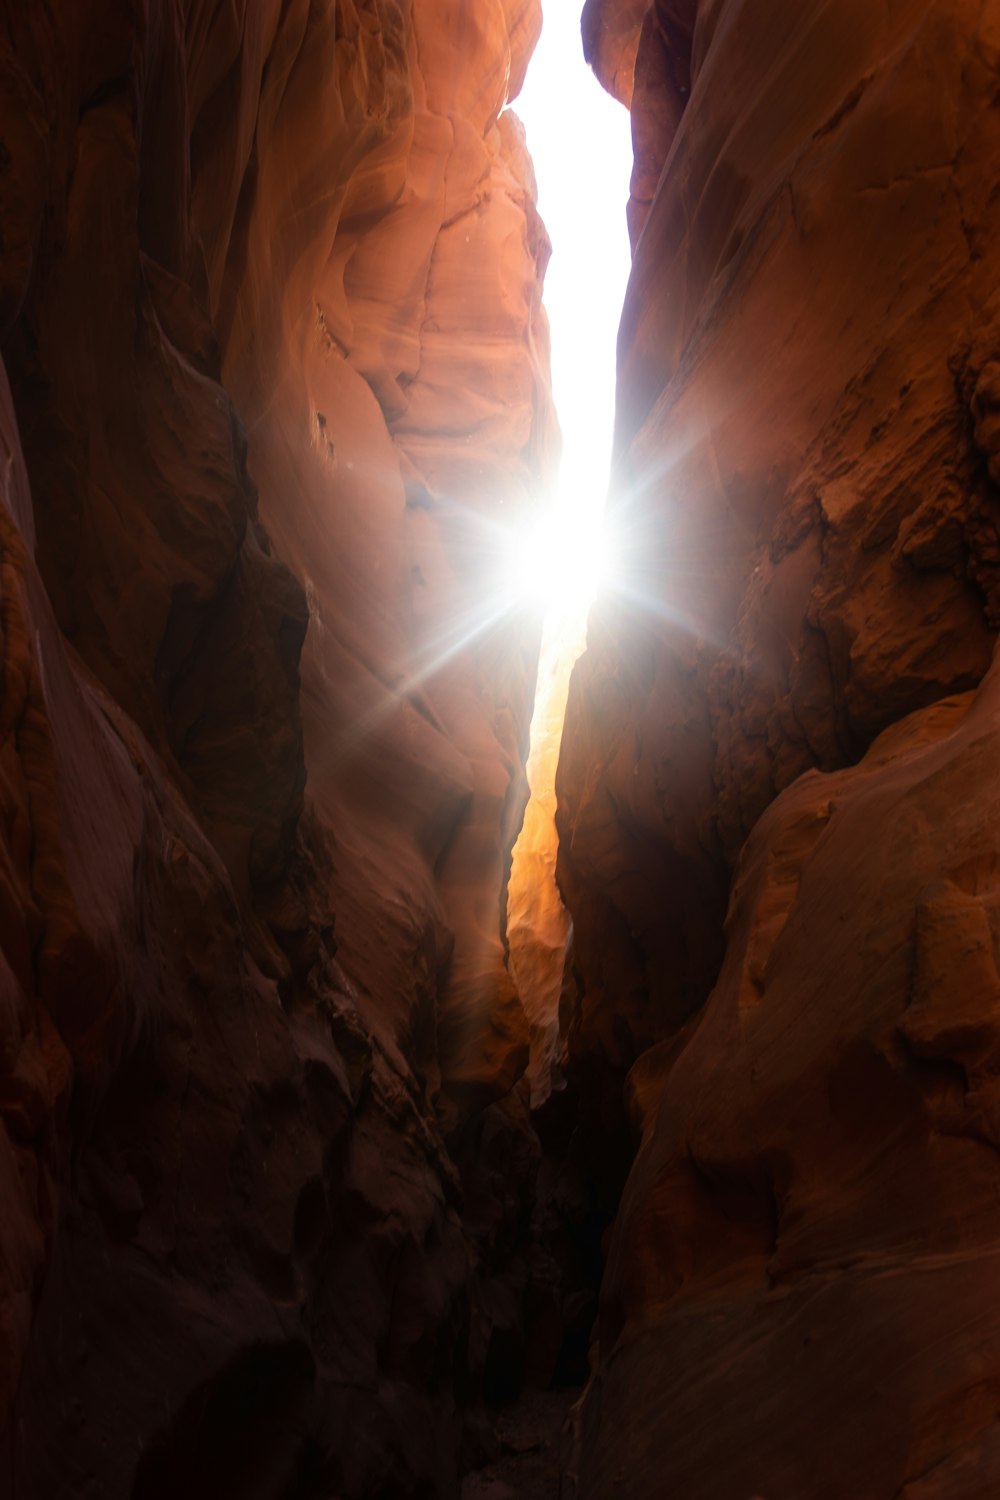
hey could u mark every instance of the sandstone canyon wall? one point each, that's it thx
(276, 373)
(790, 715)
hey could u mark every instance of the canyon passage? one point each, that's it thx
(331, 1167)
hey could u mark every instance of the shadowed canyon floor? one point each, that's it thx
(533, 1441)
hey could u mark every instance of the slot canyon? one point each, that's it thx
(337, 1162)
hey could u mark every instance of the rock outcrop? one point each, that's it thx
(801, 1289)
(790, 713)
(270, 311)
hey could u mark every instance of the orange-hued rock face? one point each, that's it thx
(610, 31)
(270, 308)
(810, 1225)
(806, 495)
(802, 490)
(398, 389)
(640, 51)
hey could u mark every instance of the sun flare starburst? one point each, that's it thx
(561, 563)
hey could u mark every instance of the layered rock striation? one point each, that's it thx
(270, 314)
(790, 714)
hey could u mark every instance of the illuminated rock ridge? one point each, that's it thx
(794, 718)
(270, 311)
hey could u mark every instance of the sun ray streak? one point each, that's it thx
(570, 557)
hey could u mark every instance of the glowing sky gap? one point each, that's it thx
(580, 141)
(581, 144)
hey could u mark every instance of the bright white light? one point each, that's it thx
(563, 564)
(581, 143)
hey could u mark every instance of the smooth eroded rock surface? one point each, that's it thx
(810, 1225)
(803, 491)
(785, 714)
(270, 282)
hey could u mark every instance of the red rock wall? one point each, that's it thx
(791, 714)
(270, 312)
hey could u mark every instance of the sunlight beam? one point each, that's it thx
(580, 141)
